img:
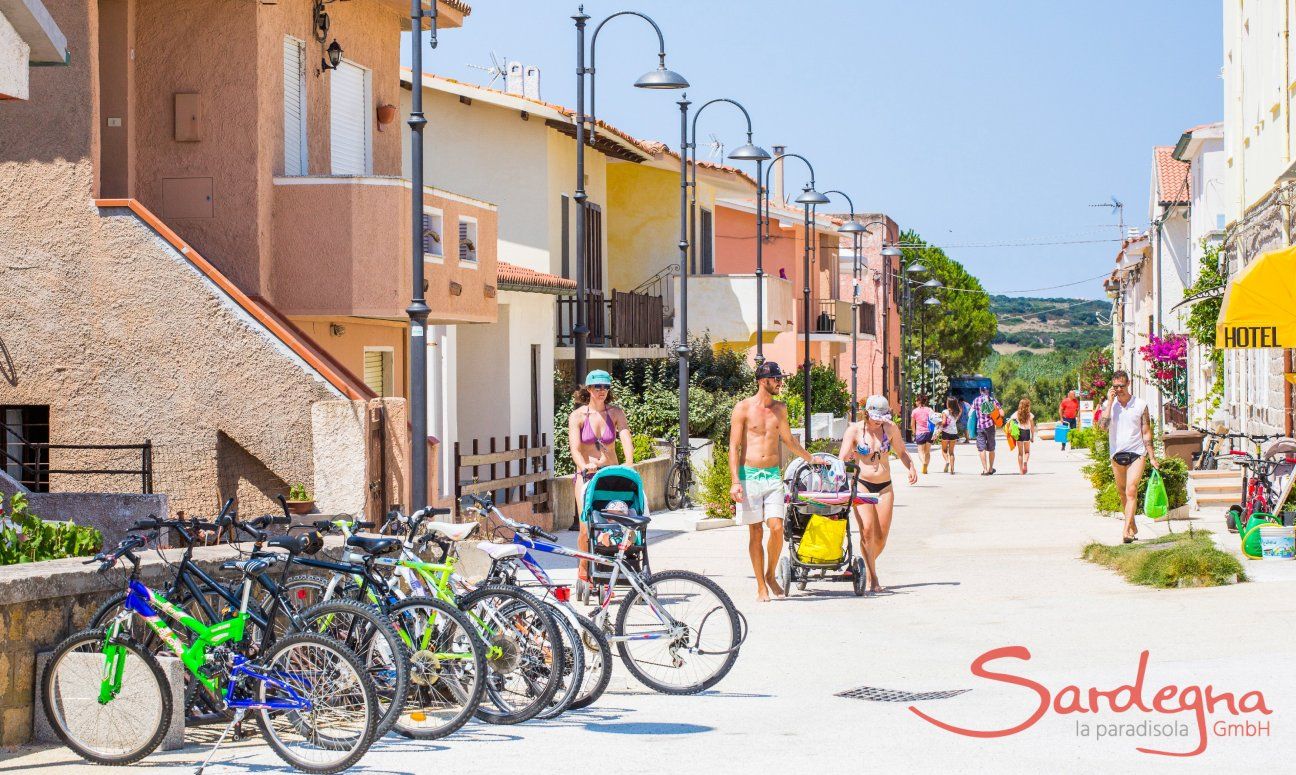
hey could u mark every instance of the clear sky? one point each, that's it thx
(974, 123)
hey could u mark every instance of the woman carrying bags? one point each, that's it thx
(920, 424)
(948, 423)
(1025, 420)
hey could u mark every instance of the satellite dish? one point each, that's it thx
(498, 69)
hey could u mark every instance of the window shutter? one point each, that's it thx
(431, 234)
(295, 159)
(708, 260)
(377, 370)
(349, 119)
(467, 241)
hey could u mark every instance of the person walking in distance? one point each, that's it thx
(984, 405)
(1129, 435)
(948, 423)
(1026, 433)
(965, 422)
(920, 425)
(1069, 410)
(593, 428)
(758, 426)
(870, 443)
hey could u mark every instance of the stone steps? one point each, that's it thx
(1214, 489)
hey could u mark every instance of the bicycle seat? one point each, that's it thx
(501, 551)
(250, 566)
(452, 530)
(308, 543)
(628, 520)
(371, 544)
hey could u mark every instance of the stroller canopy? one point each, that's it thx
(614, 483)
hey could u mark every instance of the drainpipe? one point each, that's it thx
(779, 150)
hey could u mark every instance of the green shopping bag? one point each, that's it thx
(1155, 500)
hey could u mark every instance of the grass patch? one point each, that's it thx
(1176, 560)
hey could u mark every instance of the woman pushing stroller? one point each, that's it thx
(869, 443)
(593, 429)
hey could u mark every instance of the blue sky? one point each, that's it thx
(974, 123)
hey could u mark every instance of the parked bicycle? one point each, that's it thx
(680, 478)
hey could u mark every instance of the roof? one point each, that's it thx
(521, 278)
(1212, 131)
(1172, 176)
(661, 150)
(783, 212)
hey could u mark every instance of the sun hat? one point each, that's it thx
(769, 370)
(878, 407)
(598, 377)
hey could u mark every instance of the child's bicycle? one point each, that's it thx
(677, 631)
(107, 698)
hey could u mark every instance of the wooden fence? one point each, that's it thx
(505, 471)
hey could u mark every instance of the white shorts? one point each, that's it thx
(763, 498)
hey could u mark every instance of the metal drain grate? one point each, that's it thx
(876, 694)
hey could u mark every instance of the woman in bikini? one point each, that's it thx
(593, 429)
(869, 443)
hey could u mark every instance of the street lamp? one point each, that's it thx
(930, 301)
(855, 230)
(889, 252)
(418, 308)
(807, 199)
(906, 333)
(688, 143)
(660, 78)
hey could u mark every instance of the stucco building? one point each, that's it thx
(29, 37)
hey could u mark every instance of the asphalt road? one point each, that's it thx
(975, 564)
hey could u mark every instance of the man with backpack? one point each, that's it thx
(986, 407)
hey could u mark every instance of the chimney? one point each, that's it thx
(777, 189)
(513, 78)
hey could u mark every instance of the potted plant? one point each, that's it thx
(300, 500)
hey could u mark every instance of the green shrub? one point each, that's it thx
(25, 537)
(1082, 438)
(828, 393)
(644, 447)
(713, 489)
(824, 445)
(1175, 560)
(1174, 474)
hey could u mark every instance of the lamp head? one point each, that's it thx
(661, 78)
(809, 196)
(915, 268)
(931, 301)
(892, 251)
(333, 56)
(851, 227)
(933, 283)
(749, 152)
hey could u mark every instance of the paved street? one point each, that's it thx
(975, 563)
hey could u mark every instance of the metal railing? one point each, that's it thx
(628, 319)
(33, 462)
(824, 317)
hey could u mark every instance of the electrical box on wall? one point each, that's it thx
(188, 118)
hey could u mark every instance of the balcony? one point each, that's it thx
(724, 307)
(627, 325)
(341, 247)
(830, 320)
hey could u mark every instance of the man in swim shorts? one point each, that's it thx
(758, 425)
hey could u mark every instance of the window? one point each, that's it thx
(468, 240)
(868, 318)
(705, 249)
(349, 124)
(593, 247)
(22, 430)
(432, 234)
(378, 370)
(295, 158)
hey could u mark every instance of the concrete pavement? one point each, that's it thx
(975, 563)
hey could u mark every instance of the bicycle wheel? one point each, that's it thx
(598, 663)
(372, 637)
(338, 724)
(447, 667)
(572, 674)
(135, 718)
(689, 649)
(523, 652)
(676, 486)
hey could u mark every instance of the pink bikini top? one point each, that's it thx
(587, 431)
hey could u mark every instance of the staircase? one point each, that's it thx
(1214, 490)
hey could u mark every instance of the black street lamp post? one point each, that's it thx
(418, 308)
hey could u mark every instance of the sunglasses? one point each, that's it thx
(1120, 387)
(776, 379)
(598, 387)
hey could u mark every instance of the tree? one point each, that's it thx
(960, 335)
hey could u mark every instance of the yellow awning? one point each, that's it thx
(1259, 307)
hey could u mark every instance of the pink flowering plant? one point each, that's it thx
(1167, 358)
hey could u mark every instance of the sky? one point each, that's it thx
(981, 125)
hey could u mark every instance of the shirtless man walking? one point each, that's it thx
(758, 425)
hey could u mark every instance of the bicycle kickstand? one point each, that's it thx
(238, 719)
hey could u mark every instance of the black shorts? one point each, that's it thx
(1071, 422)
(1125, 458)
(923, 438)
(1023, 435)
(949, 436)
(875, 487)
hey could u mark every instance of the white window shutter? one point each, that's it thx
(294, 107)
(349, 119)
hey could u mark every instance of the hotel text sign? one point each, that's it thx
(1247, 337)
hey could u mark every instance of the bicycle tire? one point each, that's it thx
(376, 644)
(676, 486)
(364, 735)
(94, 639)
(573, 665)
(598, 663)
(524, 657)
(427, 683)
(729, 654)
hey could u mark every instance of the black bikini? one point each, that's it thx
(863, 449)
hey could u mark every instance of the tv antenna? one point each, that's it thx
(498, 68)
(1118, 209)
(716, 148)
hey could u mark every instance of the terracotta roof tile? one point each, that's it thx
(523, 277)
(1172, 176)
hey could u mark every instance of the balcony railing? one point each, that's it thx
(827, 316)
(625, 320)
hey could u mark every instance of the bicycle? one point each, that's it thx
(661, 621)
(679, 478)
(108, 700)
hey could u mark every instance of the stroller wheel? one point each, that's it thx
(783, 574)
(858, 581)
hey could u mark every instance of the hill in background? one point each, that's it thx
(1044, 325)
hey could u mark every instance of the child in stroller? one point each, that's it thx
(613, 490)
(818, 523)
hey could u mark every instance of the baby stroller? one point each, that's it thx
(818, 526)
(614, 488)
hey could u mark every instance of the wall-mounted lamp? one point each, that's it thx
(332, 56)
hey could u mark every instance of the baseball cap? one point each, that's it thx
(878, 407)
(598, 377)
(769, 370)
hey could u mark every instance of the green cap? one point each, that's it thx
(598, 377)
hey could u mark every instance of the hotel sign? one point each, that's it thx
(1248, 337)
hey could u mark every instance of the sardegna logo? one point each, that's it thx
(1195, 711)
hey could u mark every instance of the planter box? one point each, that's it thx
(1182, 444)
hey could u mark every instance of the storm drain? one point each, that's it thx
(877, 694)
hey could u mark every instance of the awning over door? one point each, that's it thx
(1259, 307)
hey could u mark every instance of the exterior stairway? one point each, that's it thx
(1214, 490)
